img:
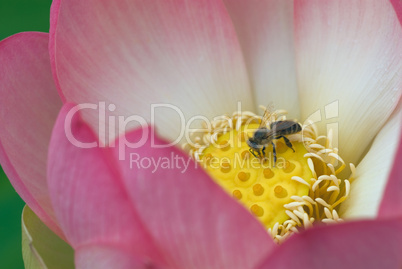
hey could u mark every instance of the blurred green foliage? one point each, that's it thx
(23, 15)
(10, 226)
(16, 16)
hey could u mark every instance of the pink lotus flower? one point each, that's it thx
(202, 57)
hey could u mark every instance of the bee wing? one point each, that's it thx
(278, 126)
(266, 117)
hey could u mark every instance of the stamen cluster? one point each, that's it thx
(301, 189)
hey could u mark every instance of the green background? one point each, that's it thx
(16, 16)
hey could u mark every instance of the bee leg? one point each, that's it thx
(252, 152)
(263, 151)
(288, 143)
(274, 151)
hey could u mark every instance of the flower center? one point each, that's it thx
(260, 184)
(288, 186)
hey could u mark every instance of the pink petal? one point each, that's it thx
(397, 4)
(190, 218)
(89, 199)
(351, 245)
(348, 54)
(265, 31)
(106, 257)
(391, 204)
(54, 14)
(137, 53)
(28, 109)
(372, 173)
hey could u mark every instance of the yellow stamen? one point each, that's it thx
(258, 180)
(294, 193)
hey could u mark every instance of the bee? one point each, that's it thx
(277, 130)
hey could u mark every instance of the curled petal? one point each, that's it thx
(87, 192)
(29, 105)
(373, 174)
(190, 218)
(350, 245)
(107, 256)
(391, 204)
